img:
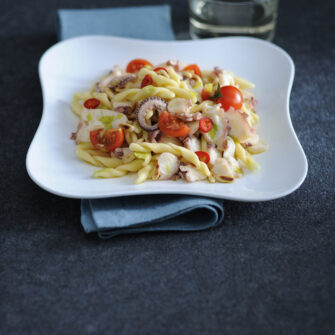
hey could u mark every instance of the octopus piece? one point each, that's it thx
(213, 152)
(192, 143)
(153, 136)
(224, 78)
(127, 110)
(120, 82)
(190, 117)
(166, 167)
(223, 171)
(240, 128)
(230, 148)
(180, 107)
(250, 100)
(190, 174)
(81, 134)
(150, 104)
(229, 155)
(169, 139)
(194, 127)
(211, 145)
(217, 71)
(253, 102)
(221, 127)
(104, 82)
(121, 153)
(176, 64)
(252, 140)
(258, 147)
(124, 107)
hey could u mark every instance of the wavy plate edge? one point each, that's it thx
(74, 195)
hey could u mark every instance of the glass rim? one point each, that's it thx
(233, 3)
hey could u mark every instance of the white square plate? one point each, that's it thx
(73, 65)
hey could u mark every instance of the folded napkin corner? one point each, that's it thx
(137, 214)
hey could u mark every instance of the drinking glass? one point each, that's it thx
(216, 18)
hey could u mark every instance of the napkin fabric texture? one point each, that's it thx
(147, 22)
(147, 213)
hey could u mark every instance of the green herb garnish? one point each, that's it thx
(217, 93)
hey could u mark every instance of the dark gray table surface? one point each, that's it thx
(268, 270)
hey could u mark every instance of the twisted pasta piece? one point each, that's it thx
(130, 136)
(82, 95)
(76, 104)
(173, 74)
(243, 84)
(128, 94)
(157, 79)
(204, 106)
(155, 147)
(103, 97)
(177, 150)
(134, 127)
(137, 94)
(244, 156)
(87, 153)
(184, 93)
(109, 92)
(187, 74)
(145, 173)
(252, 117)
(110, 162)
(203, 144)
(79, 97)
(119, 171)
(143, 155)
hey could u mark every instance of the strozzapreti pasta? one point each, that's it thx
(168, 122)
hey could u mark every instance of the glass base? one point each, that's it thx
(199, 30)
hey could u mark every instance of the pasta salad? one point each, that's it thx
(167, 122)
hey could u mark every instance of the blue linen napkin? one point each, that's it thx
(147, 22)
(137, 214)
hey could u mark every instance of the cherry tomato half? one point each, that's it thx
(205, 124)
(107, 139)
(147, 80)
(203, 156)
(194, 68)
(231, 97)
(160, 68)
(170, 125)
(91, 103)
(137, 64)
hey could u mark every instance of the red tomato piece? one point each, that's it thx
(194, 68)
(230, 97)
(91, 103)
(147, 80)
(160, 68)
(205, 124)
(137, 64)
(203, 156)
(205, 95)
(107, 139)
(170, 125)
